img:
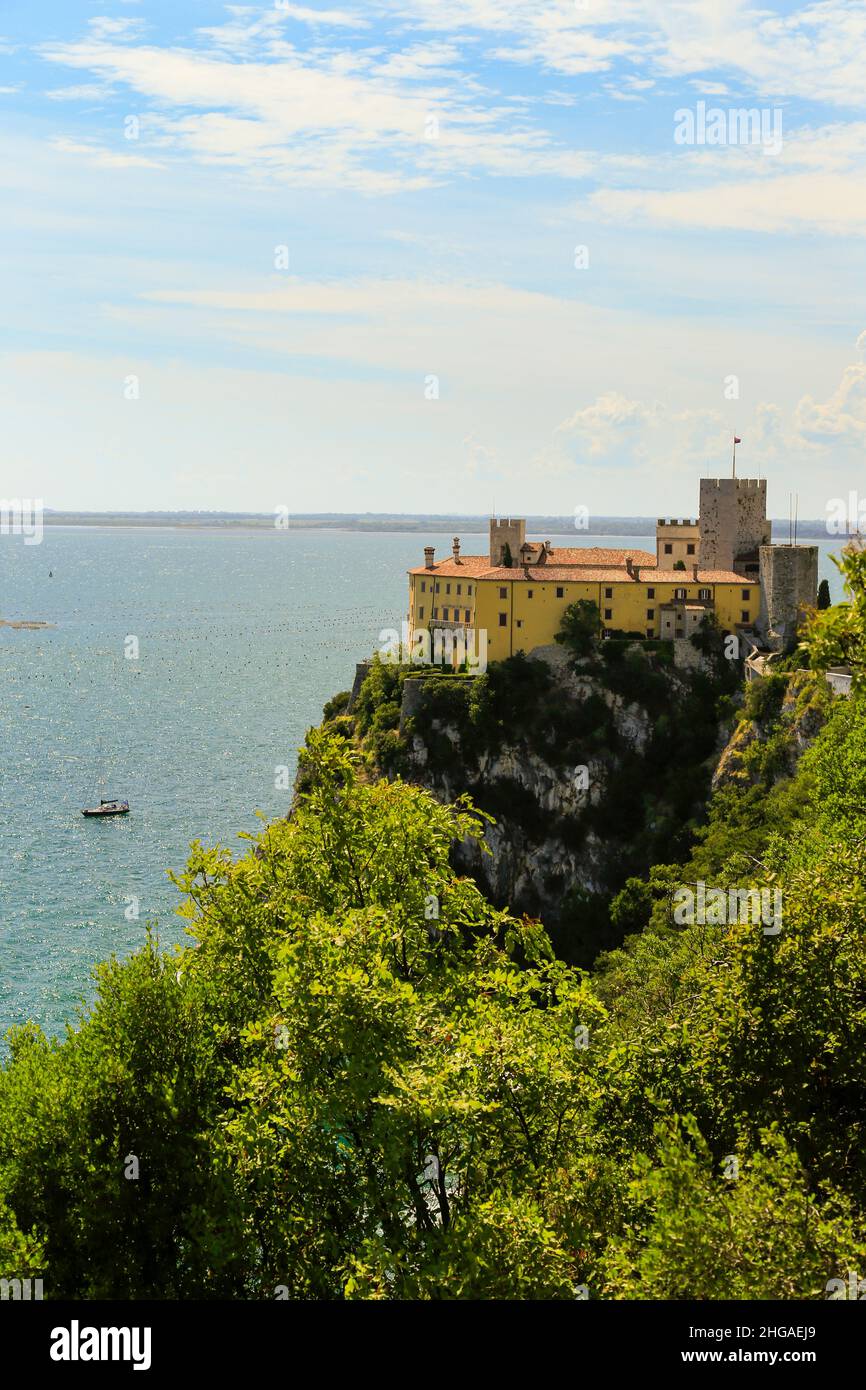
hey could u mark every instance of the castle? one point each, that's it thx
(723, 563)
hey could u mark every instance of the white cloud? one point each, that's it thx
(105, 27)
(817, 52)
(88, 91)
(335, 18)
(830, 203)
(312, 119)
(102, 157)
(638, 431)
(816, 183)
(842, 417)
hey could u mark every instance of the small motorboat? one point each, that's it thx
(108, 808)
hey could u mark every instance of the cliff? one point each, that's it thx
(592, 768)
(781, 718)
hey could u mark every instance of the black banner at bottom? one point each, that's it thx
(140, 1339)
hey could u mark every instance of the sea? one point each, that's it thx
(181, 670)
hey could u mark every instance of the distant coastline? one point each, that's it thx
(379, 522)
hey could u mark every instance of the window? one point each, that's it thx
(651, 612)
(520, 622)
(744, 616)
(649, 632)
(503, 593)
(529, 593)
(669, 550)
(608, 613)
(608, 593)
(437, 586)
(690, 549)
(560, 593)
(420, 612)
(650, 593)
(746, 593)
(503, 619)
(703, 593)
(448, 588)
(460, 588)
(445, 614)
(435, 612)
(423, 586)
(679, 593)
(466, 615)
(469, 590)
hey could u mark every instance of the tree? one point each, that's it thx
(823, 595)
(362, 1078)
(364, 1081)
(703, 1228)
(836, 636)
(580, 626)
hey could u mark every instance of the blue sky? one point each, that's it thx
(326, 257)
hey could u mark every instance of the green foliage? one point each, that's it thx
(823, 595)
(579, 626)
(325, 1037)
(139, 1078)
(630, 909)
(758, 1235)
(630, 675)
(337, 705)
(365, 1081)
(764, 698)
(836, 636)
(382, 686)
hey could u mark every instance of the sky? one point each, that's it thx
(441, 255)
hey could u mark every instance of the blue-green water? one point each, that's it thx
(242, 637)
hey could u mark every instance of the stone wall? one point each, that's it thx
(510, 532)
(733, 520)
(789, 584)
(362, 671)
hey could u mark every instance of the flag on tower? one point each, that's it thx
(737, 439)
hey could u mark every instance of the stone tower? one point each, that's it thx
(506, 532)
(789, 584)
(733, 524)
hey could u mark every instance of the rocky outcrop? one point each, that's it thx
(592, 769)
(769, 742)
(563, 826)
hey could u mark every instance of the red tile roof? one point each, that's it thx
(685, 577)
(478, 567)
(598, 556)
(572, 557)
(560, 574)
(469, 566)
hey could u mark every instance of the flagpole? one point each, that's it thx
(734, 459)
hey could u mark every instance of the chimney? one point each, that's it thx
(629, 565)
(455, 550)
(695, 573)
(429, 552)
(637, 573)
(548, 547)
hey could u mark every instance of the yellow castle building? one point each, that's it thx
(723, 563)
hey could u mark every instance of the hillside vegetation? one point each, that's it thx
(365, 1081)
